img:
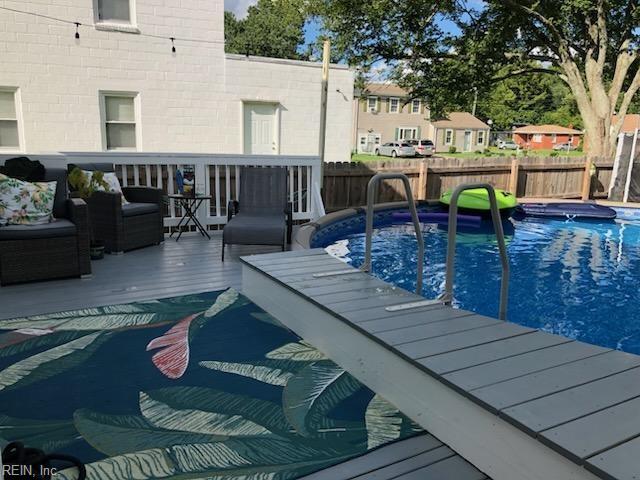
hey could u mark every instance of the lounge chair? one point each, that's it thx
(262, 216)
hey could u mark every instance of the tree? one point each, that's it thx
(444, 50)
(272, 28)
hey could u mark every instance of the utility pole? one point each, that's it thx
(326, 56)
(475, 101)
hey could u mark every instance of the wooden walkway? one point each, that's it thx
(576, 400)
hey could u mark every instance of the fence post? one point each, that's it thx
(422, 181)
(513, 177)
(586, 180)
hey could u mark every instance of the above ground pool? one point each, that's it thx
(579, 279)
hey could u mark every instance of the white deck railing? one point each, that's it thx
(217, 175)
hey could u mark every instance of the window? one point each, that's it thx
(448, 136)
(554, 138)
(415, 106)
(117, 11)
(9, 137)
(372, 104)
(120, 122)
(571, 139)
(480, 137)
(537, 138)
(394, 105)
(407, 133)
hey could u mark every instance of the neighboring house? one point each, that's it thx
(385, 112)
(460, 130)
(545, 137)
(119, 86)
(630, 124)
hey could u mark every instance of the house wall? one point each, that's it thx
(458, 139)
(548, 141)
(188, 101)
(386, 123)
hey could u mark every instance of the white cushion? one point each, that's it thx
(25, 203)
(112, 181)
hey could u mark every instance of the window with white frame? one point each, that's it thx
(537, 138)
(116, 11)
(372, 104)
(554, 138)
(571, 139)
(407, 133)
(480, 137)
(448, 136)
(119, 121)
(416, 106)
(9, 136)
(394, 105)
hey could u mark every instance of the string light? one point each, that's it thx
(79, 24)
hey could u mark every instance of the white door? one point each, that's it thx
(260, 129)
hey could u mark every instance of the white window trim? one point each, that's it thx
(537, 138)
(391, 99)
(479, 133)
(114, 26)
(369, 105)
(17, 103)
(571, 138)
(554, 138)
(402, 129)
(419, 106)
(136, 122)
(446, 131)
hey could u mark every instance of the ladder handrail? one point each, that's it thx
(373, 183)
(447, 296)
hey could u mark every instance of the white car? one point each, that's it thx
(426, 148)
(396, 149)
(507, 145)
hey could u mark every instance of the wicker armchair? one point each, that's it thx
(125, 227)
(55, 250)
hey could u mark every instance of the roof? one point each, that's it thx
(547, 130)
(384, 90)
(631, 122)
(459, 120)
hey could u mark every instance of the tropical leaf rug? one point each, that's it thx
(198, 386)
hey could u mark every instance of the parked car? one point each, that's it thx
(425, 148)
(567, 147)
(507, 145)
(396, 149)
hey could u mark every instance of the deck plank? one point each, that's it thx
(529, 387)
(516, 366)
(436, 313)
(452, 468)
(620, 463)
(409, 465)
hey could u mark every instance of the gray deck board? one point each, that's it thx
(612, 424)
(409, 465)
(563, 377)
(561, 391)
(552, 410)
(516, 366)
(620, 463)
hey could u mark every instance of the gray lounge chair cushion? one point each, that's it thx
(134, 209)
(251, 229)
(58, 228)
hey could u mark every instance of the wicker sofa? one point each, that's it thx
(55, 250)
(125, 227)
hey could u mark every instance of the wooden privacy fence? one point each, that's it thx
(345, 183)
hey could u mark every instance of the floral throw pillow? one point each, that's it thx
(25, 203)
(112, 181)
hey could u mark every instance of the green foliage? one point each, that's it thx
(453, 149)
(554, 154)
(84, 185)
(272, 28)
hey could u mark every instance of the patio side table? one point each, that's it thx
(190, 204)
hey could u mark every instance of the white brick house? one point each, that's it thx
(118, 87)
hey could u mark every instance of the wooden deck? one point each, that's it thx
(516, 402)
(174, 268)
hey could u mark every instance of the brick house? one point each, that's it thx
(545, 137)
(119, 86)
(385, 112)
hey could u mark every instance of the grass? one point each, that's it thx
(364, 157)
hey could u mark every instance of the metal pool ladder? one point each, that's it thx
(371, 191)
(447, 296)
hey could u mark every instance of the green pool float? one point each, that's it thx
(477, 201)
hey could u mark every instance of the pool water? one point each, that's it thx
(572, 278)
